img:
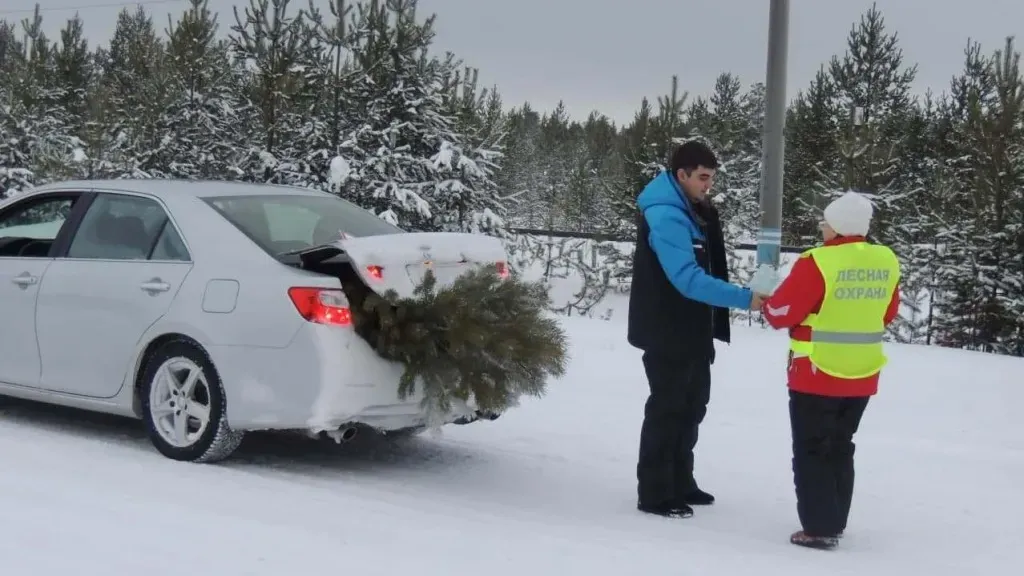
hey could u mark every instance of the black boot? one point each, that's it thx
(667, 510)
(698, 497)
(817, 542)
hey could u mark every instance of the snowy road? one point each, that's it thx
(547, 489)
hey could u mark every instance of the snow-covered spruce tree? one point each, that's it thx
(991, 170)
(544, 256)
(97, 136)
(134, 98)
(641, 161)
(576, 201)
(1002, 193)
(519, 176)
(15, 155)
(811, 151)
(15, 131)
(15, 175)
(75, 74)
(918, 287)
(872, 78)
(200, 120)
(37, 122)
(330, 161)
(609, 263)
(48, 95)
(555, 146)
(933, 187)
(281, 60)
(979, 269)
(958, 293)
(669, 130)
(604, 263)
(588, 201)
(519, 180)
(466, 196)
(399, 98)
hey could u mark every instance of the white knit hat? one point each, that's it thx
(850, 214)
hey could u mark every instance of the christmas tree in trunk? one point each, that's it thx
(484, 338)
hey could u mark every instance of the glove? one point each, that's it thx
(764, 281)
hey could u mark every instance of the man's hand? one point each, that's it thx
(757, 301)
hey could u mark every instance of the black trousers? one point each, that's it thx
(680, 391)
(823, 429)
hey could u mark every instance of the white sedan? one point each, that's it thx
(208, 309)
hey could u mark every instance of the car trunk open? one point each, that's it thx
(398, 262)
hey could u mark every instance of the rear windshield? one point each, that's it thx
(288, 223)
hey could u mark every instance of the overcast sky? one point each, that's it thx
(608, 54)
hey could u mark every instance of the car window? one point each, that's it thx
(123, 227)
(28, 229)
(169, 245)
(290, 223)
(283, 223)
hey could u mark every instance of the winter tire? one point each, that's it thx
(184, 405)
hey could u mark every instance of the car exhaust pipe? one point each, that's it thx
(348, 433)
(344, 434)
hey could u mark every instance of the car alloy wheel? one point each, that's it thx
(179, 400)
(184, 405)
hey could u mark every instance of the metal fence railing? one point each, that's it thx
(600, 237)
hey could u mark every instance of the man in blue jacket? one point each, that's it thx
(679, 303)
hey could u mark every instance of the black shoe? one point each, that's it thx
(667, 510)
(698, 497)
(817, 542)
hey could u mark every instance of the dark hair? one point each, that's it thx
(692, 154)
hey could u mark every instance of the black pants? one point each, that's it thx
(680, 391)
(823, 429)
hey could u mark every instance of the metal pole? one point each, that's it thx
(773, 144)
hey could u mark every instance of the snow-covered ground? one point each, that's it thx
(547, 489)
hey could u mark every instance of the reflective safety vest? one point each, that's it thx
(846, 334)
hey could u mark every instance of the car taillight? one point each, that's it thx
(322, 305)
(502, 267)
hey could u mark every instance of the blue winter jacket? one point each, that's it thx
(673, 232)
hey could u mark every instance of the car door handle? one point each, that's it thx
(25, 279)
(155, 285)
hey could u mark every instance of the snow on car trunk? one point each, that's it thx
(399, 262)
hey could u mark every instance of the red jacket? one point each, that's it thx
(800, 295)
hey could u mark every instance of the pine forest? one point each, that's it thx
(356, 101)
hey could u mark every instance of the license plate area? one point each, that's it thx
(446, 274)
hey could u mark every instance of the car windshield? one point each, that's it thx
(293, 222)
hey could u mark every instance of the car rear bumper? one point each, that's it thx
(326, 378)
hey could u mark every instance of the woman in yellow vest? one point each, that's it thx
(836, 303)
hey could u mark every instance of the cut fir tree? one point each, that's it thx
(484, 338)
